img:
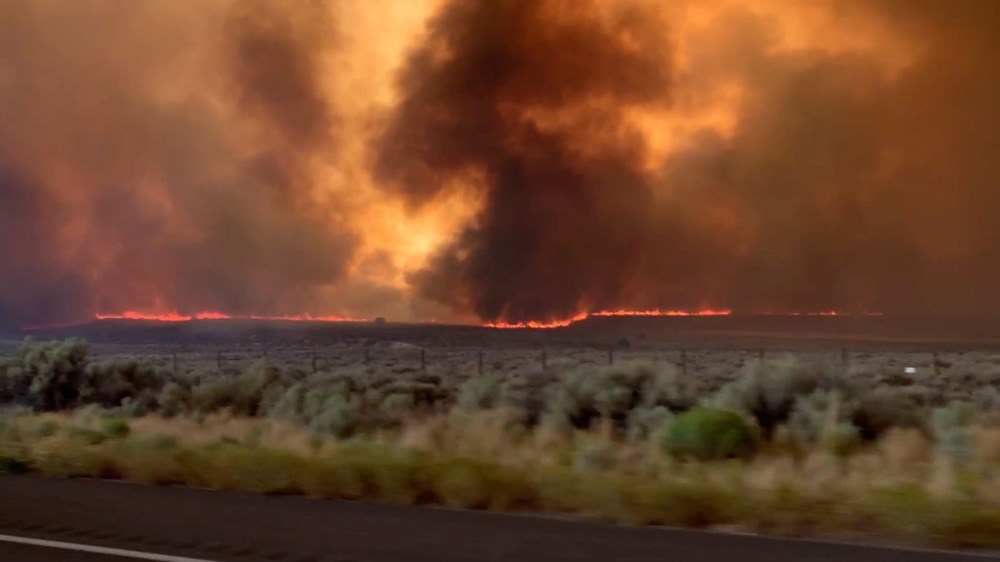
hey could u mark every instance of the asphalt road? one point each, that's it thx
(21, 553)
(179, 524)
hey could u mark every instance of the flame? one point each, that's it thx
(584, 315)
(177, 317)
(133, 315)
(657, 312)
(531, 324)
(537, 325)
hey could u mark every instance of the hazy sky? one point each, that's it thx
(492, 160)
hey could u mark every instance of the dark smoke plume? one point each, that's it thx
(564, 224)
(843, 184)
(252, 157)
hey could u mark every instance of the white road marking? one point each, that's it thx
(134, 554)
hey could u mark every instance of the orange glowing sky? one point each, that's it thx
(396, 240)
(244, 159)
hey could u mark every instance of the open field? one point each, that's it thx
(637, 421)
(950, 358)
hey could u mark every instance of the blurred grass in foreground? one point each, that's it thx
(899, 487)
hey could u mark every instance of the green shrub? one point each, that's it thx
(645, 422)
(664, 386)
(610, 393)
(884, 408)
(338, 417)
(823, 419)
(55, 370)
(174, 400)
(709, 433)
(115, 428)
(480, 393)
(249, 394)
(130, 383)
(398, 405)
(951, 427)
(290, 404)
(768, 391)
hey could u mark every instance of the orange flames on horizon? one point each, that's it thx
(177, 317)
(531, 324)
(584, 315)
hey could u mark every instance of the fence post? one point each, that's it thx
(480, 366)
(314, 361)
(423, 359)
(174, 358)
(218, 360)
(611, 357)
(544, 360)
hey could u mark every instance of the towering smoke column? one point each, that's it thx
(722, 154)
(531, 98)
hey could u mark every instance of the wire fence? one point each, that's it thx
(401, 358)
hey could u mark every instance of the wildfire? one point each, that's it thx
(531, 324)
(708, 312)
(177, 317)
(537, 325)
(584, 315)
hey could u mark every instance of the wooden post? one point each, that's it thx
(218, 360)
(611, 357)
(937, 369)
(480, 362)
(175, 363)
(314, 361)
(684, 362)
(544, 360)
(423, 359)
(264, 349)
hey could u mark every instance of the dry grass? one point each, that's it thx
(895, 488)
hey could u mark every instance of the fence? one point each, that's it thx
(472, 361)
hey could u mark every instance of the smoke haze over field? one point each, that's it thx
(499, 160)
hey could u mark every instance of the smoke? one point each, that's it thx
(505, 91)
(160, 158)
(506, 160)
(805, 168)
